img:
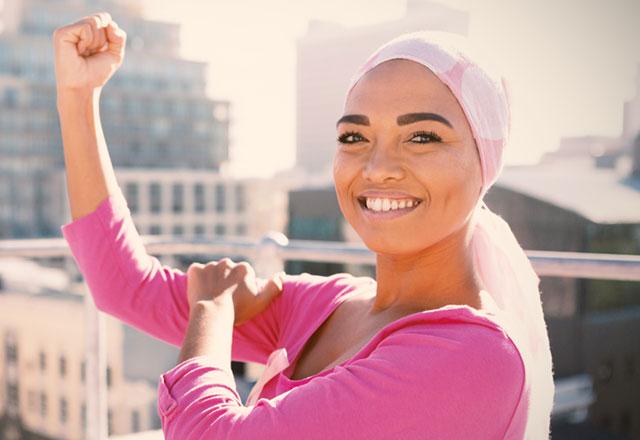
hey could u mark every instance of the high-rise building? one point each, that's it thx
(154, 111)
(329, 54)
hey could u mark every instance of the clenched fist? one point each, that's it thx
(88, 52)
(237, 281)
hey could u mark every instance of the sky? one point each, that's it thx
(571, 64)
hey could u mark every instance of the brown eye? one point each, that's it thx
(426, 137)
(350, 137)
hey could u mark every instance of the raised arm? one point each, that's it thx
(123, 279)
(87, 54)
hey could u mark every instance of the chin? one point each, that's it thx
(386, 244)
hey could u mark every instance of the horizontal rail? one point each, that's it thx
(545, 263)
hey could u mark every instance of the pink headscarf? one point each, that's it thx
(499, 260)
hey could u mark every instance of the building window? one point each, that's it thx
(110, 421)
(155, 230)
(63, 366)
(109, 377)
(83, 417)
(198, 196)
(241, 229)
(155, 197)
(220, 229)
(11, 351)
(43, 405)
(220, 197)
(43, 361)
(240, 198)
(178, 197)
(12, 395)
(63, 410)
(132, 196)
(135, 421)
(198, 230)
(178, 230)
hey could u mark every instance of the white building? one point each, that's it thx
(43, 367)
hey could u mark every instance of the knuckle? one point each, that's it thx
(226, 261)
(243, 267)
(195, 267)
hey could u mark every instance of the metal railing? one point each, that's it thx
(267, 256)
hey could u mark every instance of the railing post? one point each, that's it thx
(267, 261)
(95, 371)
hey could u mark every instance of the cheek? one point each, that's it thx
(345, 169)
(343, 175)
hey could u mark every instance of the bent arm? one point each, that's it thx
(128, 283)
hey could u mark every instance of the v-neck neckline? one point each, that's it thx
(284, 374)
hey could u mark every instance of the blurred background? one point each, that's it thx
(221, 126)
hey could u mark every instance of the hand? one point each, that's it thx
(222, 280)
(88, 52)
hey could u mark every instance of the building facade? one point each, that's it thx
(43, 369)
(154, 111)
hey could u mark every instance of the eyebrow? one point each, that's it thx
(408, 118)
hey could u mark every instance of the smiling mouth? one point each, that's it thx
(379, 205)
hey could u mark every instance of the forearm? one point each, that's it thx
(90, 174)
(210, 332)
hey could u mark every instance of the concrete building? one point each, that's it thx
(329, 54)
(42, 370)
(154, 111)
(578, 202)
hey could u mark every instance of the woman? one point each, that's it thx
(448, 342)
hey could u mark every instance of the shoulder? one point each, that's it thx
(306, 286)
(463, 338)
(457, 365)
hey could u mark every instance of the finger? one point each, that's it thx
(85, 37)
(98, 23)
(227, 262)
(116, 38)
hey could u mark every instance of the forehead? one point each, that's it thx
(398, 84)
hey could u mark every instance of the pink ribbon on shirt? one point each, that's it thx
(277, 361)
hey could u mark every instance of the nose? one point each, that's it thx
(384, 163)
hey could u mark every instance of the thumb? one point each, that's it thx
(272, 287)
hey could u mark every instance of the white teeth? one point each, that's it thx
(377, 204)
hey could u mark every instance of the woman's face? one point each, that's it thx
(406, 168)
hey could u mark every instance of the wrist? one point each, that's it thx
(74, 97)
(219, 302)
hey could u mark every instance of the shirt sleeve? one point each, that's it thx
(454, 384)
(133, 286)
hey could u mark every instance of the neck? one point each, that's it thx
(436, 276)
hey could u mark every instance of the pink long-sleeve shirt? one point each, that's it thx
(448, 373)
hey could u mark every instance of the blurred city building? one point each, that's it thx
(327, 56)
(42, 363)
(154, 111)
(585, 197)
